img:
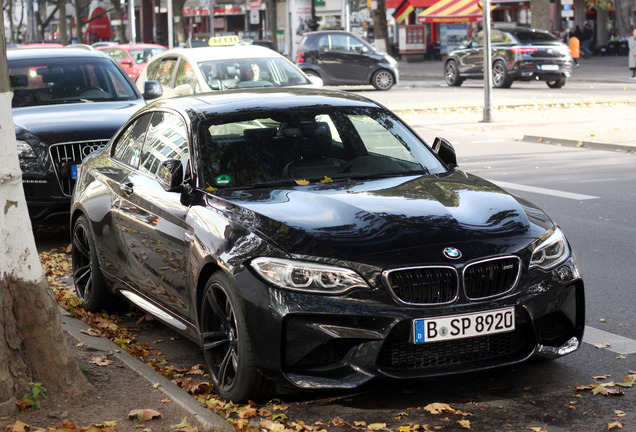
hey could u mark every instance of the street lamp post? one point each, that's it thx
(487, 62)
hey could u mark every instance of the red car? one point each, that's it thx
(132, 57)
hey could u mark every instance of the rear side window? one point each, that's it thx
(165, 70)
(127, 148)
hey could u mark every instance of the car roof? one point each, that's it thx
(129, 46)
(222, 52)
(30, 53)
(268, 99)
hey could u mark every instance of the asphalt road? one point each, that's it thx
(591, 194)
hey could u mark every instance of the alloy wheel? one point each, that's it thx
(220, 337)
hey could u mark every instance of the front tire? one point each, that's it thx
(90, 285)
(557, 83)
(500, 76)
(226, 344)
(383, 80)
(451, 74)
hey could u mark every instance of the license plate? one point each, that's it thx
(74, 171)
(463, 326)
(549, 67)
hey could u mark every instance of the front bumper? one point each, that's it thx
(313, 341)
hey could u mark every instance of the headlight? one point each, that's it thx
(551, 251)
(25, 151)
(309, 277)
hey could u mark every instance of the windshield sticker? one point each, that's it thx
(223, 180)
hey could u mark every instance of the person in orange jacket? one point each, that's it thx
(575, 47)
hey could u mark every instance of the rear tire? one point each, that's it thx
(557, 83)
(226, 344)
(383, 80)
(500, 77)
(451, 74)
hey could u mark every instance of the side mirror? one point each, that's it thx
(446, 152)
(170, 175)
(126, 63)
(152, 90)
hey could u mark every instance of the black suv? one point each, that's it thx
(341, 58)
(518, 54)
(67, 102)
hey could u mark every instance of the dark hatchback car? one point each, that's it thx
(311, 237)
(66, 103)
(518, 54)
(341, 58)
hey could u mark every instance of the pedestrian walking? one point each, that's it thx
(587, 39)
(575, 46)
(631, 42)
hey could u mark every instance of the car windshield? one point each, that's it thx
(48, 81)
(272, 72)
(303, 146)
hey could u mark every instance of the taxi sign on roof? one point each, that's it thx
(223, 40)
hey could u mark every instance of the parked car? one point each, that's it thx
(341, 58)
(311, 237)
(67, 102)
(184, 71)
(132, 57)
(518, 54)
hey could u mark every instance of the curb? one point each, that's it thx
(575, 143)
(207, 420)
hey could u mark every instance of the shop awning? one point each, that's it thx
(448, 11)
(404, 7)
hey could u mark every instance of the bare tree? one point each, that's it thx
(32, 347)
(272, 21)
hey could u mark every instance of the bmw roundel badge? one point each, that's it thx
(452, 253)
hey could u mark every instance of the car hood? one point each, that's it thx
(73, 122)
(399, 220)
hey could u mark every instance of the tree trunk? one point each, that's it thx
(121, 28)
(272, 21)
(380, 31)
(180, 28)
(540, 10)
(32, 347)
(61, 26)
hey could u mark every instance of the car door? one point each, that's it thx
(165, 72)
(344, 58)
(471, 59)
(150, 220)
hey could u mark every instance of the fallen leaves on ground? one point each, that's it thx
(144, 415)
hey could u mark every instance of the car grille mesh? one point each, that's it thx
(424, 285)
(439, 285)
(398, 353)
(491, 278)
(65, 155)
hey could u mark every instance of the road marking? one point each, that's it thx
(544, 191)
(489, 141)
(617, 344)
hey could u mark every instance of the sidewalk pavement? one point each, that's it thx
(589, 122)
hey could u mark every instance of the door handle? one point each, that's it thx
(127, 188)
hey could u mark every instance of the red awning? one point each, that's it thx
(446, 11)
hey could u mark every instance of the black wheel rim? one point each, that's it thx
(82, 262)
(220, 337)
